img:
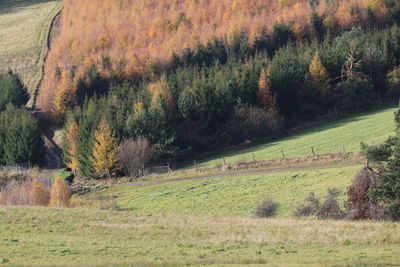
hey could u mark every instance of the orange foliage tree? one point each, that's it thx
(39, 194)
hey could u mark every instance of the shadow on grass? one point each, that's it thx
(13, 6)
(291, 135)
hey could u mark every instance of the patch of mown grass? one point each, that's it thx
(24, 26)
(76, 237)
(334, 137)
(228, 196)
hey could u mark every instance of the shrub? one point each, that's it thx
(133, 155)
(329, 209)
(39, 194)
(16, 193)
(60, 194)
(267, 208)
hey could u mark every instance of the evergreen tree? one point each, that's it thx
(20, 138)
(105, 151)
(386, 157)
(12, 90)
(88, 121)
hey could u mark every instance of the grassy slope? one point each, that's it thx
(373, 127)
(39, 236)
(226, 196)
(24, 25)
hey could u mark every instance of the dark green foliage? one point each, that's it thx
(12, 90)
(20, 138)
(267, 208)
(386, 157)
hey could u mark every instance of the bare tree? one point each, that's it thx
(133, 155)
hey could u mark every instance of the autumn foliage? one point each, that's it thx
(127, 38)
(60, 194)
(39, 194)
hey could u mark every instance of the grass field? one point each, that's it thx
(226, 196)
(77, 237)
(24, 26)
(372, 127)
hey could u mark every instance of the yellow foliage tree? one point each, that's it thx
(72, 146)
(39, 194)
(319, 76)
(105, 151)
(63, 97)
(265, 96)
(60, 194)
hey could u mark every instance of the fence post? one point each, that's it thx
(254, 157)
(195, 164)
(283, 154)
(313, 152)
(224, 160)
(344, 149)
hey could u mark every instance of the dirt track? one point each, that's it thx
(244, 172)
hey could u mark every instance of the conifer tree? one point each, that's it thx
(265, 96)
(39, 194)
(12, 90)
(71, 146)
(60, 194)
(20, 138)
(63, 98)
(88, 121)
(319, 76)
(105, 151)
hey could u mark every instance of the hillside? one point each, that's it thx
(140, 36)
(24, 26)
(232, 195)
(334, 137)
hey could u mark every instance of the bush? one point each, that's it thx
(133, 155)
(60, 194)
(39, 194)
(329, 209)
(267, 208)
(361, 205)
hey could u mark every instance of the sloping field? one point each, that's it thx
(226, 196)
(333, 137)
(24, 26)
(90, 237)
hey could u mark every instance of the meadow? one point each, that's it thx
(225, 196)
(24, 27)
(75, 237)
(333, 137)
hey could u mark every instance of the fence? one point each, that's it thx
(23, 167)
(157, 170)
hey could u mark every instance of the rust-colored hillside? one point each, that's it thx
(124, 37)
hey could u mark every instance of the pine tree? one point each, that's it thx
(60, 194)
(265, 96)
(39, 194)
(319, 76)
(88, 121)
(12, 90)
(105, 151)
(20, 138)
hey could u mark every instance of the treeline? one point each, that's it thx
(226, 96)
(20, 138)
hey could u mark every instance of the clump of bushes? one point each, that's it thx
(33, 192)
(267, 208)
(327, 209)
